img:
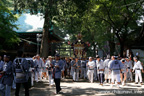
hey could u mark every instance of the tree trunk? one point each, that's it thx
(141, 33)
(44, 51)
(112, 47)
(121, 41)
(121, 48)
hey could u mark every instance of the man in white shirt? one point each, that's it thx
(123, 72)
(137, 68)
(91, 66)
(129, 71)
(100, 69)
(106, 70)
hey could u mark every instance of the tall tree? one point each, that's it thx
(122, 17)
(79, 17)
(48, 8)
(100, 21)
(8, 36)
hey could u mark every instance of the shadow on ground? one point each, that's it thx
(43, 89)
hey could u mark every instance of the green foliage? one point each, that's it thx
(7, 35)
(99, 21)
(102, 20)
(48, 9)
(36, 6)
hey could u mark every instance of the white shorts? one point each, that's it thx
(110, 75)
(115, 77)
(106, 76)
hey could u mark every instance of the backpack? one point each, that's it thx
(19, 70)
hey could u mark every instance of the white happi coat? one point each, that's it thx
(100, 65)
(137, 67)
(91, 66)
(106, 62)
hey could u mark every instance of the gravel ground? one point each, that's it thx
(83, 88)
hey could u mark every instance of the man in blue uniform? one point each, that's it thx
(77, 69)
(83, 68)
(1, 60)
(7, 78)
(1, 66)
(50, 70)
(116, 67)
(72, 68)
(39, 65)
(31, 70)
(58, 66)
(1, 75)
(21, 70)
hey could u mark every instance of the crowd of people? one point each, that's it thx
(112, 70)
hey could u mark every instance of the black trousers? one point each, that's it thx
(18, 85)
(57, 83)
(101, 77)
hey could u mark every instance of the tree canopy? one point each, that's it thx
(107, 22)
(8, 36)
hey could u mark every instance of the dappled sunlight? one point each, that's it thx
(85, 89)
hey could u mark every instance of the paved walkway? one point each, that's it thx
(70, 88)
